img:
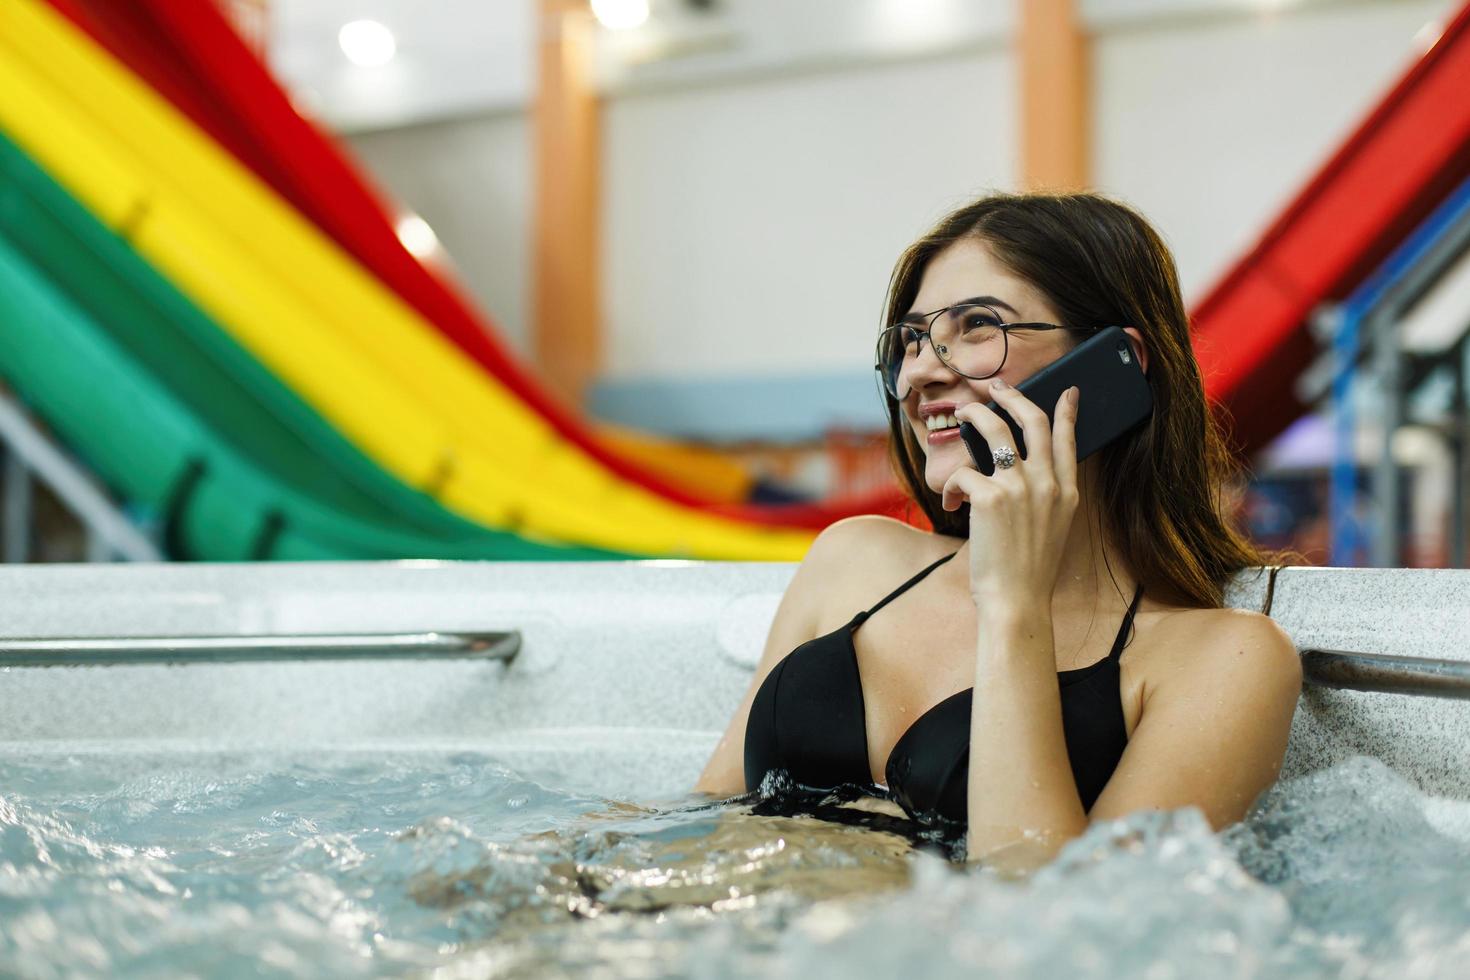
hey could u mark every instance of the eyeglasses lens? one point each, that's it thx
(966, 339)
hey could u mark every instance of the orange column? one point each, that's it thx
(566, 329)
(1053, 56)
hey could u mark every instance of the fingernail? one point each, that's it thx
(1074, 393)
(997, 383)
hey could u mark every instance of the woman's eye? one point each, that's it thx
(978, 320)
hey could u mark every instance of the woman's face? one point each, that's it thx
(964, 271)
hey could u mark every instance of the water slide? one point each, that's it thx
(191, 55)
(209, 500)
(197, 433)
(1252, 330)
(329, 330)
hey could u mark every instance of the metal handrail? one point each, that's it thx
(29, 451)
(97, 651)
(1420, 676)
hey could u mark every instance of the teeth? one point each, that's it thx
(936, 422)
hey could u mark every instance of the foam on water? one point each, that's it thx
(451, 864)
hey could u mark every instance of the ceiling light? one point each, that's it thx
(620, 15)
(416, 235)
(367, 44)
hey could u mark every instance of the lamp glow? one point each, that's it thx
(620, 15)
(367, 44)
(416, 235)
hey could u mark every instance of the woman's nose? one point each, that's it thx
(924, 368)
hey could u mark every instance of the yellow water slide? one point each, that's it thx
(344, 342)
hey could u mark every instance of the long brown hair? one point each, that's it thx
(1100, 263)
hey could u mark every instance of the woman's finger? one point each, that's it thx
(962, 485)
(1034, 425)
(1064, 438)
(991, 426)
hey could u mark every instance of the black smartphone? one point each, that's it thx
(1113, 396)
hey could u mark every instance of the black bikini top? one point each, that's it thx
(808, 720)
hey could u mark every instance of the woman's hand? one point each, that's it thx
(1019, 517)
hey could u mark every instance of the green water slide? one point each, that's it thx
(180, 421)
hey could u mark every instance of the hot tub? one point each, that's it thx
(479, 768)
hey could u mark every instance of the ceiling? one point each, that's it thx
(463, 56)
(454, 56)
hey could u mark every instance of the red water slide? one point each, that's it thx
(1251, 330)
(191, 55)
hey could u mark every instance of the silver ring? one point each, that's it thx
(1004, 457)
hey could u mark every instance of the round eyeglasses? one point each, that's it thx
(970, 339)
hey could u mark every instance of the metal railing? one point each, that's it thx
(30, 453)
(1420, 676)
(113, 651)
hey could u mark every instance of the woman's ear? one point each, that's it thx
(1140, 350)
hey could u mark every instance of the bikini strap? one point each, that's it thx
(1125, 632)
(862, 617)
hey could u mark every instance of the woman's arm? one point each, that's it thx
(1212, 733)
(797, 620)
(1215, 724)
(1022, 799)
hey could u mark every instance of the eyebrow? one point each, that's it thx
(972, 301)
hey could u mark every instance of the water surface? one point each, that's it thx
(450, 864)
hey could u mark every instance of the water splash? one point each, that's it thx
(449, 864)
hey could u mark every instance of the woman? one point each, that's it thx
(1019, 589)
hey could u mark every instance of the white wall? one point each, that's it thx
(1210, 127)
(751, 228)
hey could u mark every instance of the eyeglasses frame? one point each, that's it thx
(921, 335)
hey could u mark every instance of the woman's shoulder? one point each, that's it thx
(856, 560)
(1202, 641)
(854, 541)
(1182, 620)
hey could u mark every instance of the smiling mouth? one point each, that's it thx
(938, 423)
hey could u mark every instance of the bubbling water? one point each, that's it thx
(452, 865)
